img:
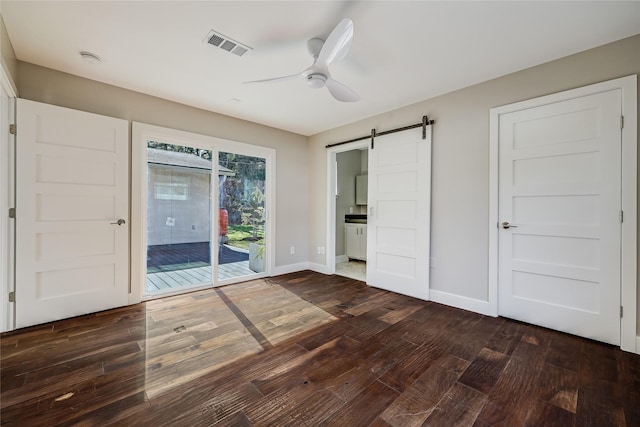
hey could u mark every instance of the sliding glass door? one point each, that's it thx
(202, 214)
(179, 217)
(241, 216)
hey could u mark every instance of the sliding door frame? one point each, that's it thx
(141, 134)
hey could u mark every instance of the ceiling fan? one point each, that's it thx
(324, 54)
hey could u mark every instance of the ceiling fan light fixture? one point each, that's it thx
(316, 81)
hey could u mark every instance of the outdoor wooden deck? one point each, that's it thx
(177, 279)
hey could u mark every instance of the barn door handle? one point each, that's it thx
(506, 225)
(119, 222)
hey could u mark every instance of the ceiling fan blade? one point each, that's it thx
(337, 44)
(341, 92)
(278, 79)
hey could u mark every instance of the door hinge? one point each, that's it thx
(12, 213)
(621, 311)
(12, 297)
(621, 122)
(621, 217)
(12, 129)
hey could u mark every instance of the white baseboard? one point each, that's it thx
(637, 345)
(290, 268)
(465, 303)
(341, 258)
(319, 268)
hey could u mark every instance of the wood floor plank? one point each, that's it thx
(283, 401)
(485, 370)
(476, 338)
(59, 407)
(512, 397)
(559, 387)
(114, 413)
(628, 386)
(330, 359)
(239, 419)
(544, 414)
(565, 352)
(458, 408)
(365, 408)
(212, 384)
(221, 406)
(398, 314)
(353, 382)
(379, 422)
(506, 338)
(404, 373)
(416, 403)
(325, 334)
(314, 412)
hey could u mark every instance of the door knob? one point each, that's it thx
(119, 222)
(506, 225)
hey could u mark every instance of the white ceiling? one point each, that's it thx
(402, 52)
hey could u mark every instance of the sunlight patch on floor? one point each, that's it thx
(194, 334)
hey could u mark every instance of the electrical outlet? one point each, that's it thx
(320, 250)
(292, 250)
(350, 209)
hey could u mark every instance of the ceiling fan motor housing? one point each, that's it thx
(316, 80)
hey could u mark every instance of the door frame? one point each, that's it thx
(628, 85)
(141, 133)
(7, 200)
(332, 183)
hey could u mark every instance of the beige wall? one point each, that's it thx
(53, 87)
(460, 172)
(7, 55)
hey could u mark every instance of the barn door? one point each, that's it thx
(398, 223)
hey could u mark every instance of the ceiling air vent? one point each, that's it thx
(225, 43)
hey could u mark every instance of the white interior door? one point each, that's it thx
(399, 202)
(560, 190)
(72, 190)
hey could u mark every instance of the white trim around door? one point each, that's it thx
(628, 87)
(7, 199)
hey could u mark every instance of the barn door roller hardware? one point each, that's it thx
(423, 124)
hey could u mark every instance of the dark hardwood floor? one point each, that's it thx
(308, 349)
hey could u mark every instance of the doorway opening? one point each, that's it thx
(347, 245)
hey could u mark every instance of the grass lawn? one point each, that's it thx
(238, 233)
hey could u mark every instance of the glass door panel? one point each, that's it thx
(241, 216)
(179, 217)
